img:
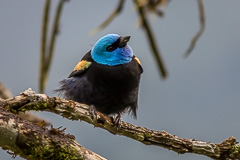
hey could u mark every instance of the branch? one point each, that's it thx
(43, 53)
(152, 41)
(47, 49)
(111, 17)
(5, 94)
(34, 142)
(201, 30)
(29, 100)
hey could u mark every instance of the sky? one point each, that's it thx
(199, 99)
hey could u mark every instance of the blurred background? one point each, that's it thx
(199, 99)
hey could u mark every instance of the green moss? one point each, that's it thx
(148, 135)
(44, 149)
(7, 107)
(139, 136)
(34, 106)
(235, 150)
(60, 152)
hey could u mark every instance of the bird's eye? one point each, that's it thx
(110, 48)
(113, 46)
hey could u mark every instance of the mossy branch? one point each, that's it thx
(32, 142)
(29, 100)
(5, 94)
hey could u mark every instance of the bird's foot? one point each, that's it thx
(92, 111)
(117, 120)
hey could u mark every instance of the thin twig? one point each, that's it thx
(44, 53)
(201, 30)
(152, 41)
(152, 5)
(117, 11)
(49, 49)
(54, 33)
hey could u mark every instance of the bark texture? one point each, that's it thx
(34, 142)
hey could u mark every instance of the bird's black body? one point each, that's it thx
(111, 89)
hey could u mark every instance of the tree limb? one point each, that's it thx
(34, 142)
(29, 100)
(5, 94)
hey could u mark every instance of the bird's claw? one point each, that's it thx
(92, 111)
(118, 120)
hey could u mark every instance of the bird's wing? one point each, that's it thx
(82, 66)
(138, 61)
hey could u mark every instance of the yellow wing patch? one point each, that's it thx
(82, 65)
(138, 61)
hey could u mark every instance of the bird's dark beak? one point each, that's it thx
(123, 41)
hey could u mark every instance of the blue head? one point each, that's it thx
(112, 50)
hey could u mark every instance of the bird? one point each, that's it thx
(106, 78)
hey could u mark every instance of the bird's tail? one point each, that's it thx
(65, 89)
(133, 111)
